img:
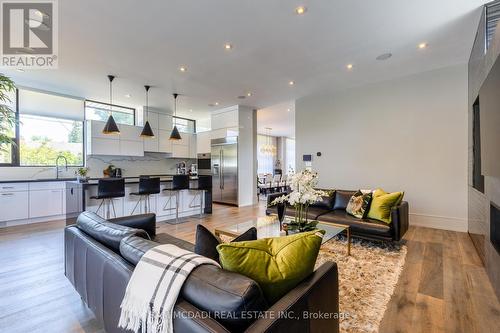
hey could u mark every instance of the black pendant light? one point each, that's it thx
(110, 127)
(147, 132)
(175, 135)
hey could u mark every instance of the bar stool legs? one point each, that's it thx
(176, 205)
(107, 211)
(201, 194)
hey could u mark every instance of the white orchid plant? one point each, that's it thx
(302, 195)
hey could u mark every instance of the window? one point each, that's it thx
(49, 126)
(289, 156)
(7, 151)
(265, 162)
(492, 18)
(184, 125)
(100, 111)
(43, 139)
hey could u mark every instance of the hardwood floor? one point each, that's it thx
(443, 287)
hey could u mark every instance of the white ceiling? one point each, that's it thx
(145, 42)
(280, 118)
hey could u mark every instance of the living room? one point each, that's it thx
(321, 167)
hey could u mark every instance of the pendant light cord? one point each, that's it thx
(111, 78)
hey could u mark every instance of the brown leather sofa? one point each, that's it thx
(332, 209)
(100, 257)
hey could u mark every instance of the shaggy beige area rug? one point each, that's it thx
(367, 280)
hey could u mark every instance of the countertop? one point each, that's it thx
(131, 180)
(92, 181)
(37, 180)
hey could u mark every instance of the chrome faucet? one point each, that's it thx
(57, 165)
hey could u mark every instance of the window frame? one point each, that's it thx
(134, 111)
(16, 149)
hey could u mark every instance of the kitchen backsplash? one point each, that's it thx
(131, 167)
(135, 166)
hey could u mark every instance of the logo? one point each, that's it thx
(29, 34)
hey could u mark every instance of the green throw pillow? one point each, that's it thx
(382, 204)
(276, 264)
(358, 204)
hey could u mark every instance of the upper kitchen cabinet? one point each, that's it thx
(185, 147)
(203, 144)
(127, 143)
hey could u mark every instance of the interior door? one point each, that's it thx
(230, 173)
(216, 173)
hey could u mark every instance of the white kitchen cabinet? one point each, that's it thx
(151, 144)
(165, 122)
(180, 151)
(14, 205)
(164, 142)
(203, 142)
(192, 145)
(225, 118)
(127, 143)
(131, 148)
(44, 203)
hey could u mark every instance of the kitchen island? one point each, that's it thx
(78, 199)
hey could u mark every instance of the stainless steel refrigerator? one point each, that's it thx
(224, 156)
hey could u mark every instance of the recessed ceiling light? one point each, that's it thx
(128, 95)
(422, 46)
(190, 110)
(183, 68)
(249, 94)
(216, 103)
(384, 56)
(228, 46)
(291, 83)
(288, 109)
(300, 10)
(20, 70)
(350, 66)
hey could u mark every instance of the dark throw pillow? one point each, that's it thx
(358, 204)
(342, 199)
(206, 242)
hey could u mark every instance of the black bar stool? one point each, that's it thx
(107, 189)
(179, 183)
(147, 187)
(204, 184)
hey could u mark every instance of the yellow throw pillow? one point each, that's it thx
(382, 203)
(276, 264)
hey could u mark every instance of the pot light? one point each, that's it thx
(128, 95)
(249, 94)
(349, 66)
(183, 69)
(300, 10)
(216, 103)
(288, 110)
(422, 46)
(291, 83)
(228, 46)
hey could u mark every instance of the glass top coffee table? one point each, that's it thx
(269, 226)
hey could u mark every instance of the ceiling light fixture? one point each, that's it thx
(350, 66)
(147, 132)
(422, 46)
(110, 127)
(249, 94)
(300, 10)
(183, 69)
(288, 110)
(216, 103)
(384, 56)
(228, 46)
(268, 148)
(291, 83)
(175, 135)
(128, 95)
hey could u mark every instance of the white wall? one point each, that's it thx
(407, 134)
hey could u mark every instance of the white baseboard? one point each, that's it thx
(439, 222)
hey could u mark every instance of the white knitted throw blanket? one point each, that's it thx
(152, 291)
